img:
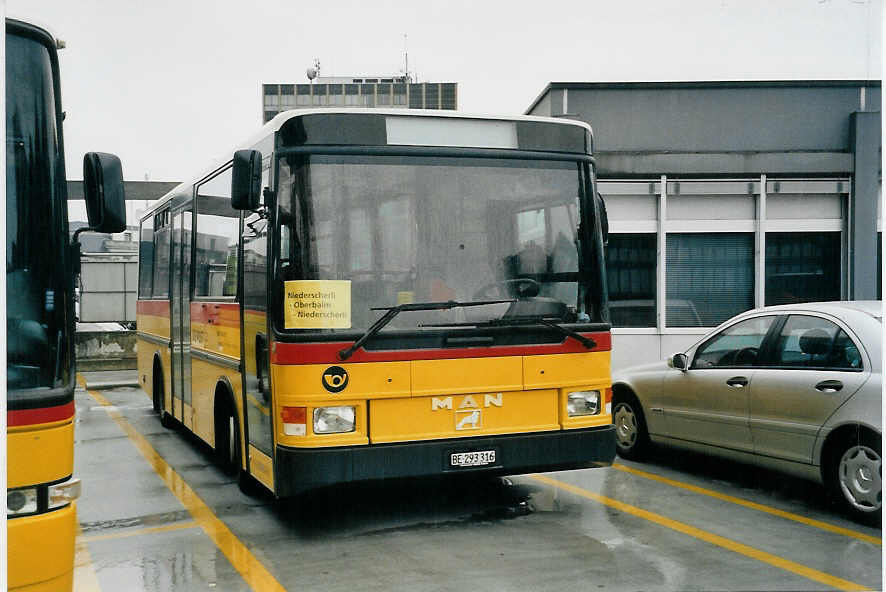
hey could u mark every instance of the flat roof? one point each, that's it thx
(700, 84)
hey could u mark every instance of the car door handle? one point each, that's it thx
(737, 382)
(829, 386)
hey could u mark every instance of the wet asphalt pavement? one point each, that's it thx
(156, 514)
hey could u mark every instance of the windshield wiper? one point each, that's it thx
(412, 306)
(512, 321)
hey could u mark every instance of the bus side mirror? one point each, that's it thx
(604, 219)
(246, 180)
(103, 190)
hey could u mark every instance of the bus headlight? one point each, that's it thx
(334, 420)
(21, 501)
(64, 493)
(583, 403)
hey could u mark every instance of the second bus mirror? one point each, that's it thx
(246, 180)
(103, 190)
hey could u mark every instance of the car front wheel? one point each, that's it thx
(631, 436)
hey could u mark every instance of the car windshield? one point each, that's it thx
(414, 230)
(36, 260)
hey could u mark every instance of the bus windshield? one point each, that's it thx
(418, 229)
(36, 223)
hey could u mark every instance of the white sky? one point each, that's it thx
(169, 85)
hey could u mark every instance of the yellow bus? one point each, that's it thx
(358, 295)
(41, 490)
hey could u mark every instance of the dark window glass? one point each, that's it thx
(271, 89)
(269, 115)
(813, 342)
(287, 89)
(399, 94)
(38, 286)
(162, 251)
(802, 267)
(302, 94)
(710, 277)
(447, 96)
(146, 258)
(416, 96)
(432, 96)
(879, 266)
(218, 236)
(630, 277)
(737, 346)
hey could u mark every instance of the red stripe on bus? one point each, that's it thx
(158, 308)
(327, 353)
(22, 417)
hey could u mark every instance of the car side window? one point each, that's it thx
(813, 342)
(737, 346)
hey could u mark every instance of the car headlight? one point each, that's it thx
(334, 420)
(583, 403)
(63, 494)
(21, 501)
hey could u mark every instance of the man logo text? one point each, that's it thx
(467, 402)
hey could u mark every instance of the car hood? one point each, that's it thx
(626, 374)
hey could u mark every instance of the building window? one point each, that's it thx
(802, 267)
(287, 89)
(218, 232)
(336, 98)
(630, 275)
(710, 277)
(416, 96)
(368, 94)
(447, 96)
(384, 94)
(400, 94)
(432, 96)
(271, 89)
(269, 115)
(320, 97)
(302, 95)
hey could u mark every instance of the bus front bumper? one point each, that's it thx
(41, 550)
(298, 470)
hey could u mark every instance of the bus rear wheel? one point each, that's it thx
(166, 420)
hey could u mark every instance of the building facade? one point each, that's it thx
(365, 91)
(725, 196)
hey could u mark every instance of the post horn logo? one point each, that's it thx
(335, 379)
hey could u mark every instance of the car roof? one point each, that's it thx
(872, 308)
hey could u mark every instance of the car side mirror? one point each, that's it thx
(103, 190)
(246, 180)
(679, 361)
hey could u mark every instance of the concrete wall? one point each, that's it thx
(98, 349)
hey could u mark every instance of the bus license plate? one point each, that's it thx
(472, 459)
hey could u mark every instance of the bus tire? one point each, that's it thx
(227, 438)
(159, 398)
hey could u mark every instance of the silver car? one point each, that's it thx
(797, 388)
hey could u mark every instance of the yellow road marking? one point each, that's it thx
(753, 505)
(85, 578)
(253, 571)
(138, 531)
(708, 537)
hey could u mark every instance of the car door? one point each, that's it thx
(708, 403)
(815, 366)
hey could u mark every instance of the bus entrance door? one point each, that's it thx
(257, 378)
(181, 318)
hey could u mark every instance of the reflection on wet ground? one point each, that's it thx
(373, 508)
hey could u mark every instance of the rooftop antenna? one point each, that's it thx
(407, 75)
(314, 70)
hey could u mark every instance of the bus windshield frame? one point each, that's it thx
(460, 225)
(38, 278)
